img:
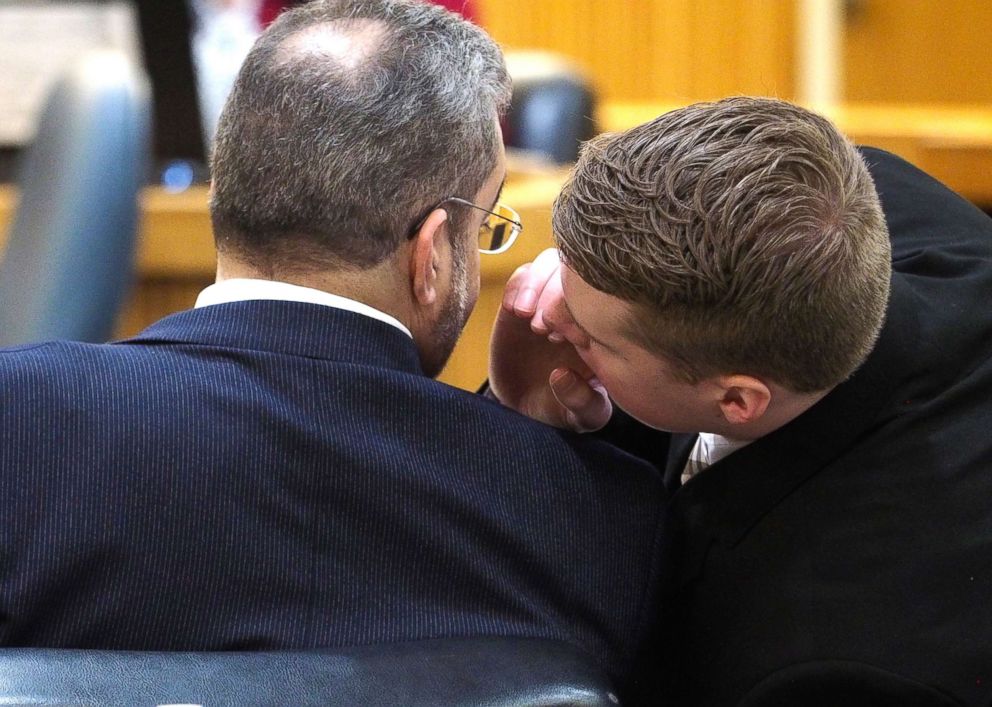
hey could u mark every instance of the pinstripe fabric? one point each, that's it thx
(278, 474)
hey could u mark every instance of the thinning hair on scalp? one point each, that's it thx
(348, 120)
(747, 233)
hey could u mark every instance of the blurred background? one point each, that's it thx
(911, 76)
(916, 51)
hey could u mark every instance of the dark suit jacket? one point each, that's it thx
(846, 559)
(282, 475)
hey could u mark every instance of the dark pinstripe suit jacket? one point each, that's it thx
(275, 475)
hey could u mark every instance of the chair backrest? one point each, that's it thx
(70, 249)
(553, 106)
(510, 672)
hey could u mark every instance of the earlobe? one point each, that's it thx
(745, 399)
(424, 257)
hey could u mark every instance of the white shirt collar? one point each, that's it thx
(242, 289)
(708, 450)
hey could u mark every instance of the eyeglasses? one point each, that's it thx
(497, 232)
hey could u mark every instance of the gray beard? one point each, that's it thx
(451, 320)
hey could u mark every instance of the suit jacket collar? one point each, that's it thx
(678, 455)
(291, 328)
(730, 497)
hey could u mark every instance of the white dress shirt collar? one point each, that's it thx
(242, 289)
(708, 450)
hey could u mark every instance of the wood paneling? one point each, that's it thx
(919, 51)
(659, 49)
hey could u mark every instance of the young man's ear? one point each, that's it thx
(424, 256)
(744, 399)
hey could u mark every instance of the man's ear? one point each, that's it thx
(424, 257)
(744, 399)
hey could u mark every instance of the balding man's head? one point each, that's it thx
(347, 45)
(348, 120)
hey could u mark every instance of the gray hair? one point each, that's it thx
(747, 232)
(348, 121)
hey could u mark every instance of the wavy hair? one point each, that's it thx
(747, 233)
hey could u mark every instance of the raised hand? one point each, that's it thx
(532, 368)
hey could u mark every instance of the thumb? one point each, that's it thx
(587, 405)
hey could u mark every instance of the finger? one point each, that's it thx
(532, 283)
(587, 405)
(512, 290)
(548, 302)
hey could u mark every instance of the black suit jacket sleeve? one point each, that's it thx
(829, 683)
(922, 214)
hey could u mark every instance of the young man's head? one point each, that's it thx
(349, 125)
(731, 259)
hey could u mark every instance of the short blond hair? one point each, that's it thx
(747, 233)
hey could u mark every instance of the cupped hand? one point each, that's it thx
(532, 368)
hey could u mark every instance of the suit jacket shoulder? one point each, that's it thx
(273, 474)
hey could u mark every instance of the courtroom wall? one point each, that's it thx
(919, 51)
(678, 50)
(673, 51)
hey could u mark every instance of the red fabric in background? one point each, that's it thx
(465, 7)
(270, 9)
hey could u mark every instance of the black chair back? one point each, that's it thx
(509, 672)
(70, 250)
(552, 110)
